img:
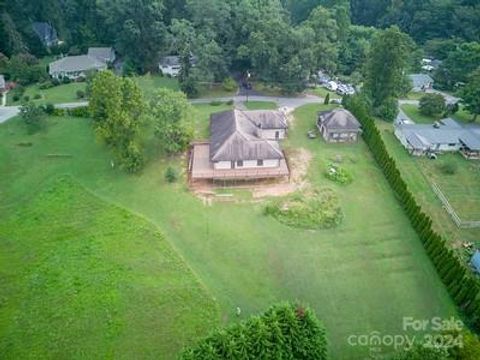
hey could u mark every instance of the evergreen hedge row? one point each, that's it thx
(285, 331)
(462, 285)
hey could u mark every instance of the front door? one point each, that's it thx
(277, 135)
(232, 164)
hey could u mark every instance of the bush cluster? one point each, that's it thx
(285, 331)
(338, 174)
(317, 209)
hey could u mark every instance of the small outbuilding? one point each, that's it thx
(338, 125)
(475, 262)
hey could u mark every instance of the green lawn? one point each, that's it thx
(363, 276)
(322, 92)
(81, 276)
(414, 113)
(461, 188)
(150, 83)
(260, 105)
(66, 93)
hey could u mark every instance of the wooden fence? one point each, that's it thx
(451, 211)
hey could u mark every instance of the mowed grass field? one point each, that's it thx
(364, 276)
(85, 279)
(461, 188)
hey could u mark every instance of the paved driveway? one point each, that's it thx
(7, 112)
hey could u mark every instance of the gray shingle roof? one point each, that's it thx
(76, 63)
(235, 137)
(339, 119)
(267, 119)
(470, 140)
(421, 80)
(422, 136)
(102, 54)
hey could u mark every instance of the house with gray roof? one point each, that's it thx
(338, 126)
(243, 145)
(172, 64)
(447, 135)
(421, 82)
(102, 54)
(74, 67)
(46, 33)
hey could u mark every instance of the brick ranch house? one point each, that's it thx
(243, 145)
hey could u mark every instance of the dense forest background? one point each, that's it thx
(281, 41)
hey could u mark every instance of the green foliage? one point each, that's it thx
(326, 101)
(471, 94)
(318, 209)
(80, 94)
(338, 174)
(33, 117)
(421, 353)
(117, 107)
(229, 84)
(388, 110)
(458, 66)
(284, 331)
(80, 111)
(171, 174)
(432, 104)
(385, 69)
(49, 109)
(37, 96)
(172, 117)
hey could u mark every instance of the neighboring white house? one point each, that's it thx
(74, 67)
(171, 65)
(421, 82)
(102, 54)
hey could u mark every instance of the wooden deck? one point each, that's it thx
(200, 167)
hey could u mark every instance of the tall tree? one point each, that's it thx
(470, 94)
(172, 117)
(117, 106)
(385, 68)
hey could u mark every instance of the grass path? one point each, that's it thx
(363, 276)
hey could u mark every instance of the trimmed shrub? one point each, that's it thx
(80, 94)
(81, 111)
(15, 97)
(49, 109)
(66, 80)
(229, 84)
(26, 98)
(171, 175)
(37, 96)
(230, 102)
(215, 103)
(285, 331)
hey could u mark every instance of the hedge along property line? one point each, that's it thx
(461, 283)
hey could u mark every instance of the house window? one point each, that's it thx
(452, 144)
(277, 135)
(259, 162)
(240, 163)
